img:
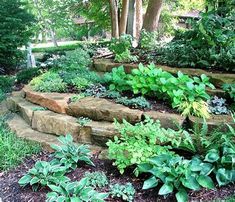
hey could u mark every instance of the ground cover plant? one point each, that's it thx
(184, 93)
(13, 150)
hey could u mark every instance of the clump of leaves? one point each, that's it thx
(2, 95)
(69, 153)
(76, 98)
(218, 106)
(112, 94)
(121, 48)
(138, 102)
(97, 90)
(80, 83)
(75, 191)
(148, 40)
(43, 174)
(83, 121)
(24, 76)
(126, 191)
(230, 89)
(48, 82)
(196, 108)
(6, 83)
(39, 109)
(96, 179)
(140, 141)
(175, 173)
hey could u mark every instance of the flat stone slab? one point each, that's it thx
(167, 120)
(218, 79)
(56, 102)
(215, 122)
(99, 109)
(23, 130)
(101, 132)
(53, 123)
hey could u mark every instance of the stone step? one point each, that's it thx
(23, 130)
(100, 109)
(97, 133)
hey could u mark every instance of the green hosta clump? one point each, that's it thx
(126, 191)
(43, 174)
(75, 191)
(140, 141)
(181, 90)
(96, 179)
(176, 174)
(69, 153)
(48, 82)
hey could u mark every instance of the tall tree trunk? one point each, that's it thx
(53, 37)
(131, 22)
(152, 15)
(124, 15)
(114, 18)
(139, 17)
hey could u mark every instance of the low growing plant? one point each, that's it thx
(43, 174)
(69, 154)
(96, 179)
(26, 75)
(218, 106)
(230, 89)
(6, 83)
(75, 191)
(96, 90)
(126, 191)
(76, 98)
(48, 82)
(83, 121)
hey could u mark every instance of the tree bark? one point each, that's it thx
(114, 18)
(152, 15)
(139, 17)
(124, 15)
(131, 22)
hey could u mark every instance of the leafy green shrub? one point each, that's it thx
(43, 174)
(210, 43)
(74, 60)
(96, 179)
(117, 79)
(13, 150)
(148, 40)
(70, 154)
(80, 83)
(6, 83)
(121, 48)
(26, 75)
(177, 89)
(14, 31)
(126, 192)
(140, 141)
(48, 82)
(175, 173)
(230, 89)
(74, 191)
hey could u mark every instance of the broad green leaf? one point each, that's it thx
(205, 181)
(24, 180)
(182, 195)
(166, 189)
(150, 183)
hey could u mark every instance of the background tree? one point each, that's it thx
(15, 23)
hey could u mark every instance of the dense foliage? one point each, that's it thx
(14, 32)
(185, 93)
(210, 43)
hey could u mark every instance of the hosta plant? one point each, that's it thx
(75, 191)
(69, 154)
(96, 179)
(124, 191)
(174, 173)
(43, 174)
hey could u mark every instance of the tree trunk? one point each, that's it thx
(53, 37)
(114, 18)
(131, 19)
(152, 15)
(124, 15)
(139, 17)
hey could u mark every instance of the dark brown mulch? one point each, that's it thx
(10, 191)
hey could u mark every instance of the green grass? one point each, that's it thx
(13, 150)
(68, 47)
